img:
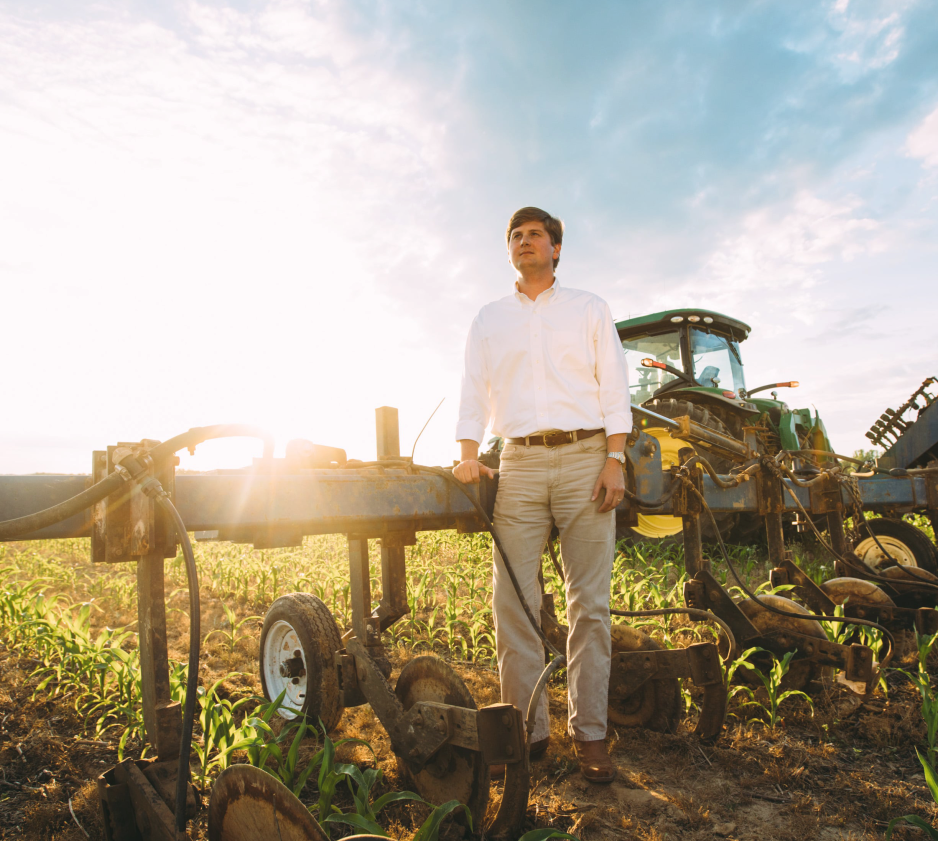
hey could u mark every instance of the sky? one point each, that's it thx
(288, 213)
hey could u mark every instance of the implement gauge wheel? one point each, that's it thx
(454, 773)
(666, 528)
(298, 645)
(906, 544)
(656, 704)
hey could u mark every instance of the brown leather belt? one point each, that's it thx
(555, 439)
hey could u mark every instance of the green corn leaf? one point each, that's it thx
(931, 778)
(358, 822)
(430, 829)
(916, 821)
(394, 797)
(545, 834)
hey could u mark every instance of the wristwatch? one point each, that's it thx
(619, 457)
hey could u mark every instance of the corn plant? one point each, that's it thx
(360, 784)
(430, 829)
(924, 643)
(929, 709)
(220, 736)
(931, 778)
(230, 635)
(838, 632)
(331, 773)
(772, 683)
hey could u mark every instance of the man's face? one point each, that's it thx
(530, 248)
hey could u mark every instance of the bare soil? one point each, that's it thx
(841, 773)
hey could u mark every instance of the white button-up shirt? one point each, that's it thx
(554, 363)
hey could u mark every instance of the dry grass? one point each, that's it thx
(841, 773)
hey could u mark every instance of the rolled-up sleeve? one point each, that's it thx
(612, 374)
(475, 401)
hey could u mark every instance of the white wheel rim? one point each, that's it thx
(873, 557)
(281, 645)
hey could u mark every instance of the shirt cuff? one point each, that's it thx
(618, 424)
(470, 430)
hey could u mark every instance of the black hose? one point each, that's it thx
(912, 572)
(693, 612)
(199, 434)
(549, 669)
(490, 527)
(753, 597)
(10, 529)
(154, 489)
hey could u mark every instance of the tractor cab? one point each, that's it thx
(692, 356)
(678, 351)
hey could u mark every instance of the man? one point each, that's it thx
(547, 359)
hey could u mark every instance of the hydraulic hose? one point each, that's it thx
(490, 527)
(559, 658)
(753, 597)
(703, 615)
(10, 529)
(155, 490)
(693, 612)
(912, 572)
(551, 667)
(152, 487)
(199, 434)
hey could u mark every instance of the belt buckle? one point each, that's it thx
(555, 439)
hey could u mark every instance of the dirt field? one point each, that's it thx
(842, 772)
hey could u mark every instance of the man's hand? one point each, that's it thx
(470, 471)
(612, 479)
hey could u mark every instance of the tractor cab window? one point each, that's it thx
(717, 361)
(662, 347)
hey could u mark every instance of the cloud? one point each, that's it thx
(301, 203)
(868, 35)
(923, 142)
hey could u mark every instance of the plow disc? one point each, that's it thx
(454, 773)
(655, 704)
(801, 671)
(248, 804)
(857, 591)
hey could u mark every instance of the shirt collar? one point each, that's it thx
(547, 295)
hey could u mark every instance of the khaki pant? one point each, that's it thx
(540, 486)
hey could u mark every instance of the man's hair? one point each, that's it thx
(552, 225)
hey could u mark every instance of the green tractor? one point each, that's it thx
(687, 362)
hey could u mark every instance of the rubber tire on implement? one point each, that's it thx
(912, 542)
(454, 773)
(319, 640)
(656, 704)
(665, 528)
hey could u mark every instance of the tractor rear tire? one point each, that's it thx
(665, 528)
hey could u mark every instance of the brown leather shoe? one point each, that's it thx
(595, 764)
(538, 749)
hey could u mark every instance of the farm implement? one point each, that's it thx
(136, 509)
